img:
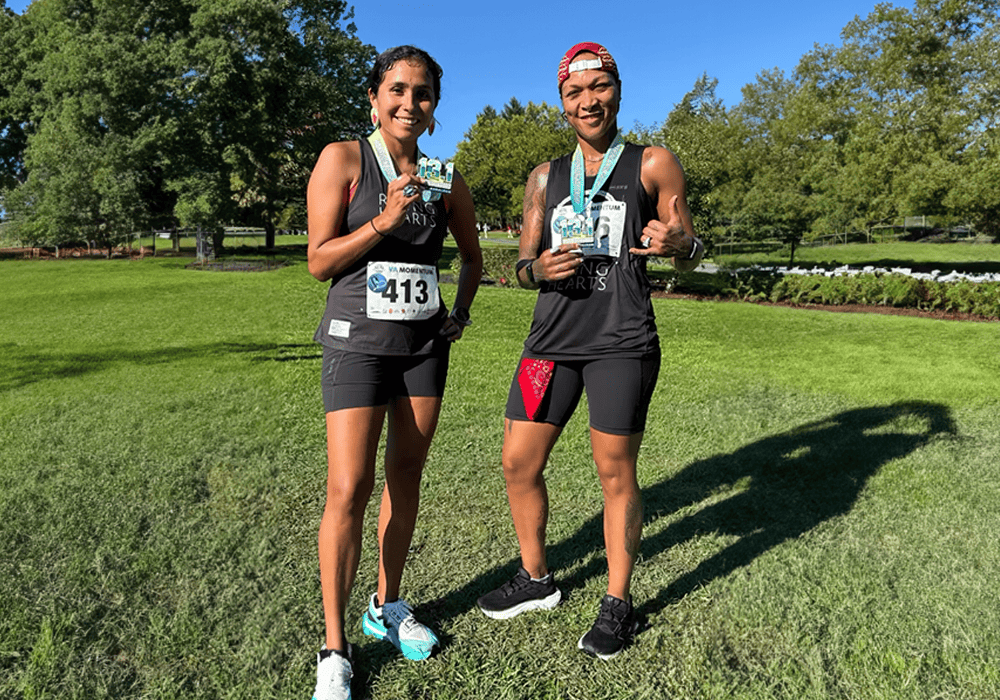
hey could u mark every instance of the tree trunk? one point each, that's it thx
(218, 239)
(268, 233)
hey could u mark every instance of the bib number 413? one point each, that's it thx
(401, 291)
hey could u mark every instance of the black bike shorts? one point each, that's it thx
(618, 393)
(354, 379)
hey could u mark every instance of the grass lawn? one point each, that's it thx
(822, 497)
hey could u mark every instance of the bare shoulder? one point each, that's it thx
(458, 181)
(656, 158)
(341, 153)
(540, 173)
(661, 170)
(339, 162)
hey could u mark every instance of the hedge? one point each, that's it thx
(893, 289)
(498, 266)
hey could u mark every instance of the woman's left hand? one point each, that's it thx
(451, 329)
(667, 239)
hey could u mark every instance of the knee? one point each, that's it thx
(519, 470)
(617, 476)
(402, 477)
(347, 495)
(407, 468)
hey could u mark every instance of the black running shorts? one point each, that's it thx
(618, 393)
(353, 379)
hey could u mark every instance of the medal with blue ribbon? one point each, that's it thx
(388, 167)
(581, 205)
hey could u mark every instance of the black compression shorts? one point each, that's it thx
(618, 393)
(353, 379)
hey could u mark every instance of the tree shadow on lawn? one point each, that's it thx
(793, 481)
(21, 366)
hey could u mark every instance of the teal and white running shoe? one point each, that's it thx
(334, 671)
(395, 622)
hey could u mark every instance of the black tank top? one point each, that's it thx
(604, 309)
(418, 241)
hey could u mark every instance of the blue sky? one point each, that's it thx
(491, 52)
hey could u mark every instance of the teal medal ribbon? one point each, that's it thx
(388, 167)
(581, 206)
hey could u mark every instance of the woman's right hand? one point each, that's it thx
(397, 202)
(556, 265)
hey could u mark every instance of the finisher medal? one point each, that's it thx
(432, 192)
(578, 227)
(438, 176)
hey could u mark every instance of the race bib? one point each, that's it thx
(600, 233)
(402, 291)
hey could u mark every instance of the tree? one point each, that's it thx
(906, 97)
(83, 99)
(705, 140)
(12, 136)
(776, 201)
(269, 84)
(500, 151)
(175, 111)
(513, 108)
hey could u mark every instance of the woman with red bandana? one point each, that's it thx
(591, 219)
(376, 230)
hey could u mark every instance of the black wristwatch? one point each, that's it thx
(460, 315)
(696, 244)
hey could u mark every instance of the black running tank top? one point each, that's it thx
(347, 321)
(604, 309)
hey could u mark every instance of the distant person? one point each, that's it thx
(376, 233)
(593, 328)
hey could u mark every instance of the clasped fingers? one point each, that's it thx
(558, 264)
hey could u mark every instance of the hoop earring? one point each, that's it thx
(374, 116)
(430, 129)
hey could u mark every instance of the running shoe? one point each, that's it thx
(520, 594)
(333, 675)
(395, 622)
(612, 631)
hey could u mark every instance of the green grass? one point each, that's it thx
(822, 497)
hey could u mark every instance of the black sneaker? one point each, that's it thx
(519, 594)
(613, 630)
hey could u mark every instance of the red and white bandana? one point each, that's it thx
(533, 377)
(604, 61)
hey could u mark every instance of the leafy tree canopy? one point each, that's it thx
(119, 115)
(500, 151)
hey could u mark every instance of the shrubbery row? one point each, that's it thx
(498, 266)
(891, 289)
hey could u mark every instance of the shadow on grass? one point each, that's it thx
(20, 366)
(784, 486)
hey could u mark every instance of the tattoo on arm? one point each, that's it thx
(534, 192)
(533, 213)
(533, 216)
